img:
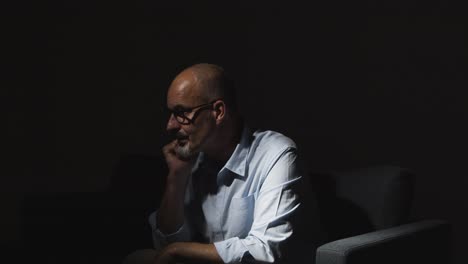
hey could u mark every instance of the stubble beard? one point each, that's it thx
(185, 151)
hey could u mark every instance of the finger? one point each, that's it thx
(170, 147)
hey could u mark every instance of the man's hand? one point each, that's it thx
(170, 215)
(178, 167)
(165, 256)
(188, 252)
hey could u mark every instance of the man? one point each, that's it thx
(231, 194)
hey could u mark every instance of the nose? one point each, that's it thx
(172, 124)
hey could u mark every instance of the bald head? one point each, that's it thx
(204, 116)
(207, 82)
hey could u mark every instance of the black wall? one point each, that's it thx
(352, 83)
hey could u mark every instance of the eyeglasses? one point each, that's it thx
(181, 117)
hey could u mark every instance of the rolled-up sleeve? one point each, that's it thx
(275, 203)
(160, 239)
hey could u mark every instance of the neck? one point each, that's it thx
(229, 136)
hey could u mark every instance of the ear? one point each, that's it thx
(219, 111)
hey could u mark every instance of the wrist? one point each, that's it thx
(172, 251)
(177, 179)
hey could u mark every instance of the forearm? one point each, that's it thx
(189, 252)
(171, 215)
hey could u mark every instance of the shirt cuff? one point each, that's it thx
(231, 250)
(160, 239)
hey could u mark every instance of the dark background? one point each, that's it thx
(353, 83)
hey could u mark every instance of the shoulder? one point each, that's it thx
(270, 145)
(272, 140)
(271, 149)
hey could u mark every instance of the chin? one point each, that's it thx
(185, 152)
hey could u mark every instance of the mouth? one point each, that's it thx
(182, 141)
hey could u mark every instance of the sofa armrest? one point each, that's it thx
(420, 242)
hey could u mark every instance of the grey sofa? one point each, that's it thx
(365, 216)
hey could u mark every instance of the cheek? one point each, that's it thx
(200, 131)
(187, 130)
(198, 135)
(190, 132)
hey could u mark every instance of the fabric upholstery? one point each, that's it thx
(421, 242)
(357, 201)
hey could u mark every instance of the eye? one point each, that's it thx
(178, 113)
(181, 110)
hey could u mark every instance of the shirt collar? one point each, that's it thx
(237, 163)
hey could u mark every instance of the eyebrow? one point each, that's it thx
(179, 107)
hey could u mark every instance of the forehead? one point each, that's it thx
(182, 93)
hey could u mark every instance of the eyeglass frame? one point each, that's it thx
(182, 113)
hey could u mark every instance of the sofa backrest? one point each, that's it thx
(361, 200)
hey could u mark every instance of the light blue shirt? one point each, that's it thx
(249, 209)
